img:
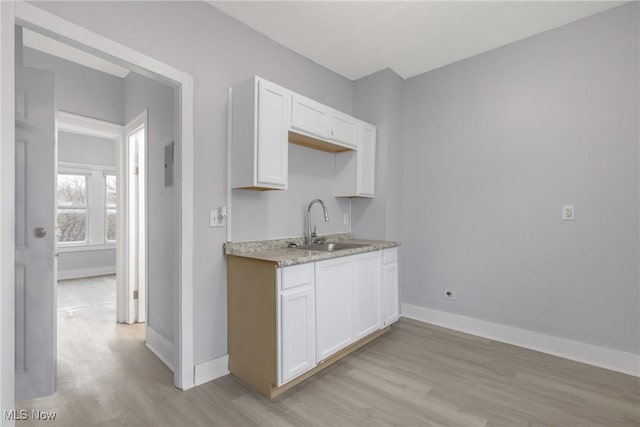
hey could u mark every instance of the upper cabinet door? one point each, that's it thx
(309, 116)
(366, 164)
(273, 137)
(344, 129)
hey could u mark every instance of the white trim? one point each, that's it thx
(229, 162)
(86, 272)
(34, 18)
(85, 248)
(7, 213)
(81, 125)
(211, 369)
(44, 44)
(160, 346)
(615, 360)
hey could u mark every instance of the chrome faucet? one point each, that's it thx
(311, 235)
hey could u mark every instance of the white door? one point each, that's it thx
(136, 143)
(366, 162)
(297, 347)
(334, 306)
(35, 234)
(274, 104)
(367, 294)
(309, 116)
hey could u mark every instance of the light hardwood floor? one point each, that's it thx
(415, 375)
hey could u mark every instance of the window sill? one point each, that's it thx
(85, 247)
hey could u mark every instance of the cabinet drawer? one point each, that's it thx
(390, 255)
(297, 275)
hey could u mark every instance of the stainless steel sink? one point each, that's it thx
(331, 247)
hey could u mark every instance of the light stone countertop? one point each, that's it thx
(278, 252)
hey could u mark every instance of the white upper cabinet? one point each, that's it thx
(356, 170)
(266, 117)
(344, 129)
(366, 162)
(260, 126)
(309, 117)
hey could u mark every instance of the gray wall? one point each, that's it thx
(261, 215)
(219, 52)
(495, 145)
(84, 260)
(82, 90)
(162, 218)
(378, 99)
(86, 149)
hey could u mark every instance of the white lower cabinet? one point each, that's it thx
(334, 306)
(390, 285)
(325, 306)
(297, 322)
(367, 296)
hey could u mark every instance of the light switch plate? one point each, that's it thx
(215, 219)
(568, 213)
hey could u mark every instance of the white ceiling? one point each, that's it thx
(358, 38)
(53, 47)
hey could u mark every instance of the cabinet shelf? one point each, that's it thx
(316, 144)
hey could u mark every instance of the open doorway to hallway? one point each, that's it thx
(107, 266)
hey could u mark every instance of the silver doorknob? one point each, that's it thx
(39, 232)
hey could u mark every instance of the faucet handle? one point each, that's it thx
(313, 233)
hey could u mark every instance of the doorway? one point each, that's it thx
(138, 150)
(30, 16)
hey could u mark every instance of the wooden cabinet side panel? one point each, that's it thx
(251, 298)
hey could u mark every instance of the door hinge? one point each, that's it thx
(135, 294)
(135, 170)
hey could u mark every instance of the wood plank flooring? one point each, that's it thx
(415, 375)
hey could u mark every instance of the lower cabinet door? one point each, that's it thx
(334, 306)
(391, 292)
(297, 336)
(367, 295)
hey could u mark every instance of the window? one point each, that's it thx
(87, 205)
(72, 208)
(111, 197)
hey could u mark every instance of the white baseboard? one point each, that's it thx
(211, 369)
(603, 357)
(86, 272)
(160, 346)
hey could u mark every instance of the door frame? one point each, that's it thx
(18, 12)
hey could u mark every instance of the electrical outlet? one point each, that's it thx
(449, 294)
(568, 213)
(345, 219)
